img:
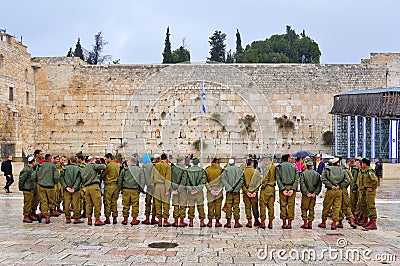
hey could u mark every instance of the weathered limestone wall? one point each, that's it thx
(17, 116)
(154, 108)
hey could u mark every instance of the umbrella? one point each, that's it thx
(303, 154)
(327, 156)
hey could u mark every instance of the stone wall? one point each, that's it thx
(17, 116)
(155, 108)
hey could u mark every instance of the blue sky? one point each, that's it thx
(346, 31)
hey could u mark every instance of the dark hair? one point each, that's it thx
(37, 152)
(164, 156)
(214, 160)
(285, 157)
(109, 155)
(47, 157)
(80, 157)
(249, 162)
(366, 161)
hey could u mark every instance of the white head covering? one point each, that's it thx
(231, 161)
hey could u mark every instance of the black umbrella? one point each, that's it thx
(302, 154)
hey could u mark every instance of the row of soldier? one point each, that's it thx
(80, 184)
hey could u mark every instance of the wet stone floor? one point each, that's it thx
(59, 243)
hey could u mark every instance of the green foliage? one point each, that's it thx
(96, 56)
(239, 48)
(229, 57)
(248, 121)
(180, 55)
(78, 50)
(217, 50)
(285, 48)
(284, 123)
(70, 53)
(167, 54)
(327, 138)
(196, 145)
(116, 61)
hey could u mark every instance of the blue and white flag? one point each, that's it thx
(203, 99)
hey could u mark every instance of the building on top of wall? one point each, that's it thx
(366, 124)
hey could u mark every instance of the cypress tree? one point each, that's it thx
(167, 54)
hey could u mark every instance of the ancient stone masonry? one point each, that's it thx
(155, 108)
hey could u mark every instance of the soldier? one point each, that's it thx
(267, 194)
(58, 188)
(310, 186)
(80, 161)
(34, 217)
(26, 184)
(131, 183)
(346, 208)
(287, 179)
(91, 184)
(111, 193)
(71, 182)
(63, 164)
(335, 179)
(47, 178)
(161, 181)
(369, 184)
(214, 192)
(353, 188)
(232, 179)
(150, 206)
(178, 191)
(196, 180)
(251, 184)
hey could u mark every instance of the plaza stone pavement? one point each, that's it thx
(60, 244)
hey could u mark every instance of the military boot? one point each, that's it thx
(228, 223)
(322, 224)
(262, 224)
(166, 223)
(60, 210)
(249, 223)
(270, 224)
(107, 220)
(54, 213)
(372, 225)
(190, 222)
(182, 223)
(340, 224)
(153, 220)
(365, 222)
(47, 219)
(89, 221)
(98, 222)
(159, 222)
(284, 225)
(26, 219)
(135, 221)
(309, 225)
(67, 220)
(40, 217)
(352, 223)
(78, 221)
(209, 224)
(305, 224)
(237, 224)
(175, 224)
(115, 221)
(202, 224)
(257, 222)
(333, 225)
(147, 220)
(33, 216)
(125, 221)
(289, 226)
(217, 223)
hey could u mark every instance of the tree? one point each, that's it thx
(217, 43)
(78, 50)
(70, 53)
(239, 48)
(167, 54)
(230, 58)
(95, 56)
(180, 55)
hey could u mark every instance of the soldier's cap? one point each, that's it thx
(359, 159)
(156, 156)
(195, 160)
(365, 160)
(335, 160)
(231, 161)
(31, 158)
(309, 163)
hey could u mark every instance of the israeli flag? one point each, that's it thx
(203, 99)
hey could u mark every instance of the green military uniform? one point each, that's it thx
(251, 184)
(196, 180)
(26, 184)
(355, 209)
(213, 182)
(149, 201)
(310, 183)
(161, 182)
(232, 179)
(110, 176)
(267, 192)
(369, 180)
(58, 189)
(47, 178)
(346, 207)
(91, 184)
(286, 175)
(82, 196)
(131, 182)
(36, 201)
(333, 176)
(178, 183)
(71, 177)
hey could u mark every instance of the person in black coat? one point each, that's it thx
(6, 168)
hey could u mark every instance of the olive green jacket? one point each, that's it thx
(90, 174)
(232, 179)
(47, 175)
(147, 173)
(251, 180)
(196, 178)
(368, 178)
(354, 171)
(178, 178)
(131, 177)
(335, 176)
(161, 174)
(111, 173)
(26, 181)
(71, 177)
(310, 182)
(269, 176)
(286, 174)
(213, 177)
